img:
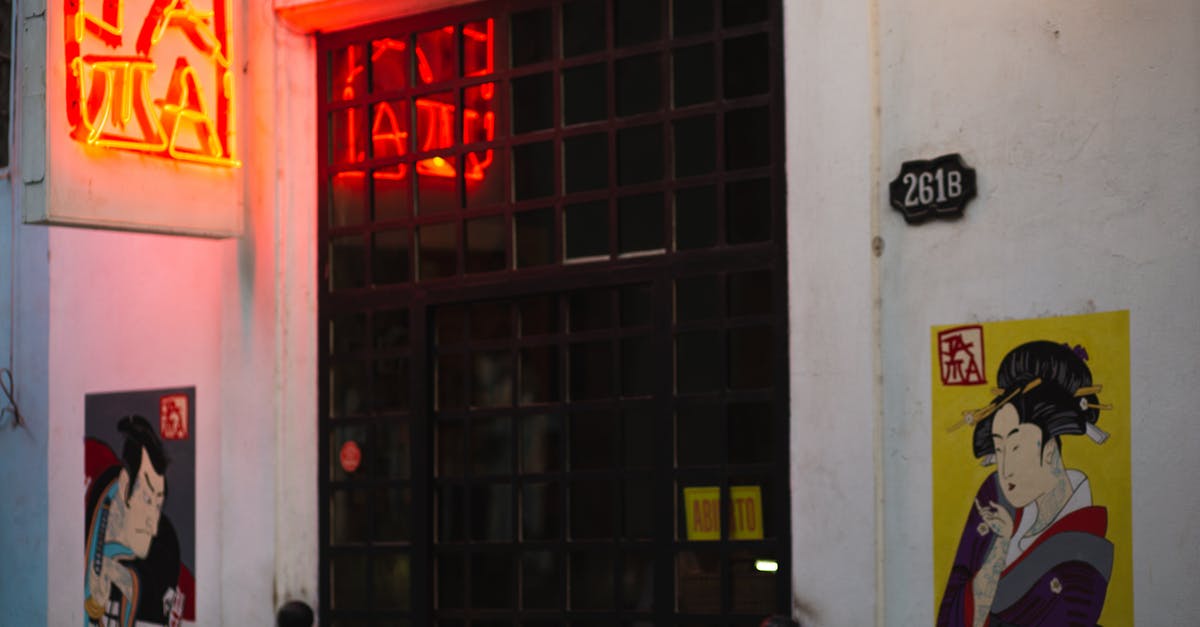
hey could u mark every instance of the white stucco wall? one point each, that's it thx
(1083, 122)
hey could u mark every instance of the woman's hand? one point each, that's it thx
(996, 518)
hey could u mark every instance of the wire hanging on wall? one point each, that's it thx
(10, 407)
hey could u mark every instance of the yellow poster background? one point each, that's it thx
(957, 474)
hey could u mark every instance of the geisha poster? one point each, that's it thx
(140, 508)
(1031, 471)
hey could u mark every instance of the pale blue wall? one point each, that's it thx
(24, 339)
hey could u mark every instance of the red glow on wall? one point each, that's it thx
(110, 89)
(390, 132)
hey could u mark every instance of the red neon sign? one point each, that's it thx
(435, 114)
(118, 99)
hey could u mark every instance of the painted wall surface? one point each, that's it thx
(1083, 122)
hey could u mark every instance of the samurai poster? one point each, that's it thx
(1031, 472)
(140, 516)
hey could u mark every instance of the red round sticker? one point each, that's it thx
(351, 456)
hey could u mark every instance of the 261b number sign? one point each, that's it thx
(936, 188)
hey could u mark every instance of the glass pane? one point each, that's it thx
(696, 298)
(750, 433)
(636, 308)
(585, 162)
(747, 138)
(594, 440)
(637, 582)
(439, 250)
(347, 260)
(393, 515)
(393, 577)
(451, 381)
(698, 362)
(435, 55)
(437, 185)
(393, 193)
(592, 508)
(696, 218)
(491, 320)
(451, 513)
(390, 129)
(390, 385)
(748, 211)
(692, 17)
(766, 488)
(698, 581)
(393, 451)
(348, 332)
(389, 328)
(750, 357)
(753, 590)
(692, 78)
(637, 21)
(583, 27)
(591, 370)
(638, 366)
(586, 226)
(739, 12)
(639, 437)
(539, 375)
(485, 244)
(533, 102)
(435, 126)
(492, 385)
(541, 580)
(695, 146)
(541, 444)
(533, 174)
(585, 94)
(347, 388)
(347, 73)
(639, 154)
(638, 83)
(450, 453)
(491, 446)
(451, 581)
(451, 324)
(746, 67)
(348, 581)
(592, 576)
(389, 257)
(348, 199)
(349, 516)
(493, 581)
(750, 293)
(698, 435)
(541, 511)
(531, 37)
(640, 223)
(346, 444)
(390, 63)
(484, 171)
(479, 43)
(639, 508)
(535, 237)
(491, 512)
(539, 315)
(348, 130)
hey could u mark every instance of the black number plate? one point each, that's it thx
(936, 188)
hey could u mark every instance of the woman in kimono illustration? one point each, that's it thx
(1033, 550)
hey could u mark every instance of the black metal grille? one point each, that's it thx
(538, 336)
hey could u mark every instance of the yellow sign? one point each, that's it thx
(1031, 461)
(702, 507)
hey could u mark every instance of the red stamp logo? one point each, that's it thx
(173, 417)
(351, 456)
(960, 353)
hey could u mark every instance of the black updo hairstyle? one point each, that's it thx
(1052, 404)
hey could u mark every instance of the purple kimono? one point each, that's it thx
(1061, 579)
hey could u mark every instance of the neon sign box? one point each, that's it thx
(140, 95)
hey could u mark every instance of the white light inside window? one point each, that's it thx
(766, 566)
